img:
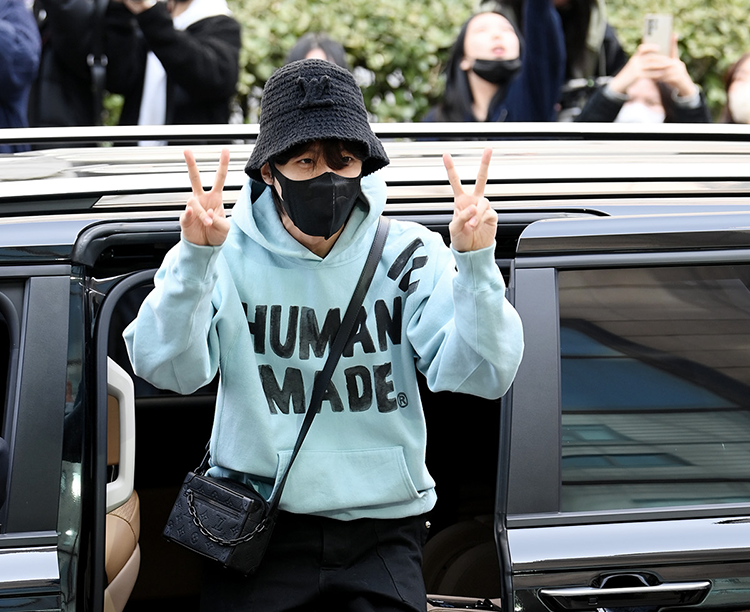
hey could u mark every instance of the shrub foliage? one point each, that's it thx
(398, 48)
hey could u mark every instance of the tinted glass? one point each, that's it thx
(655, 387)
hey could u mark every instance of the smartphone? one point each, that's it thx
(657, 30)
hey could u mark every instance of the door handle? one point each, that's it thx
(590, 598)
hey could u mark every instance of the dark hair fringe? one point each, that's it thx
(333, 50)
(330, 149)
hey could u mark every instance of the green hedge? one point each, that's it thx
(400, 45)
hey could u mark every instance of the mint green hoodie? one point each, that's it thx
(263, 310)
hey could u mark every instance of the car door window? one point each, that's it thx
(5, 345)
(655, 382)
(9, 338)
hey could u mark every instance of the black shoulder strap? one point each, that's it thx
(337, 348)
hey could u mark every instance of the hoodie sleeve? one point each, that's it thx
(467, 335)
(173, 343)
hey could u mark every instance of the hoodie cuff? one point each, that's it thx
(196, 263)
(477, 270)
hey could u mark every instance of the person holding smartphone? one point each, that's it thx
(651, 88)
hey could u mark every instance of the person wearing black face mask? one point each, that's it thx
(258, 299)
(316, 205)
(496, 74)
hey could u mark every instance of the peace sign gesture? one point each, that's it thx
(203, 221)
(474, 221)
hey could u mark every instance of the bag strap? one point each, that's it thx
(337, 348)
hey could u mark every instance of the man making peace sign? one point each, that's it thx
(259, 298)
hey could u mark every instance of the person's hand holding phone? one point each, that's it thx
(637, 66)
(648, 63)
(673, 71)
(657, 30)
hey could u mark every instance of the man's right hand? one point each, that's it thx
(203, 222)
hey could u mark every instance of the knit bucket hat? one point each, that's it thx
(309, 100)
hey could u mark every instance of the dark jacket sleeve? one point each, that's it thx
(614, 54)
(70, 27)
(203, 59)
(685, 114)
(20, 47)
(604, 109)
(534, 93)
(600, 108)
(125, 48)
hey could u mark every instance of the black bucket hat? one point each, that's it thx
(309, 100)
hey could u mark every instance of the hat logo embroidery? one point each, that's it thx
(316, 92)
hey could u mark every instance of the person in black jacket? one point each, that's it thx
(175, 62)
(19, 59)
(496, 72)
(651, 88)
(62, 93)
(593, 51)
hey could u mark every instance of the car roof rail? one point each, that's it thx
(245, 132)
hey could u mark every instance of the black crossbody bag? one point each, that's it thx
(229, 522)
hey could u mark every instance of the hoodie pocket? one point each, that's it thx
(321, 481)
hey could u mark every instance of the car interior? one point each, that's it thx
(122, 557)
(171, 433)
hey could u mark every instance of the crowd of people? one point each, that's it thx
(177, 62)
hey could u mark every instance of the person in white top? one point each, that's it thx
(175, 62)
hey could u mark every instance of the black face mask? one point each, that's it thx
(498, 72)
(318, 206)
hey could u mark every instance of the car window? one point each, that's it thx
(4, 448)
(655, 382)
(4, 368)
(9, 332)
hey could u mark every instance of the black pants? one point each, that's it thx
(316, 564)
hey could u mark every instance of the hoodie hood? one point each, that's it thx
(255, 215)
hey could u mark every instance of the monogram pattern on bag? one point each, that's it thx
(220, 523)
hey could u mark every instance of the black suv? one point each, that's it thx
(615, 474)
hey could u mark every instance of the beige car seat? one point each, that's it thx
(122, 557)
